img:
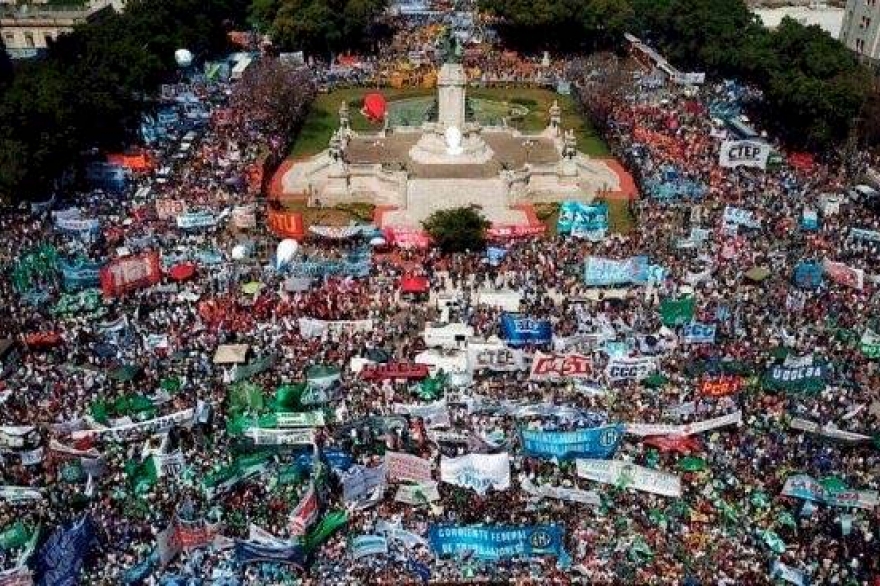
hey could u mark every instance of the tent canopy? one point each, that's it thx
(231, 354)
(414, 284)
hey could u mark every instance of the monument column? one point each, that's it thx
(451, 89)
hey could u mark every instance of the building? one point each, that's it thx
(861, 28)
(28, 29)
(828, 18)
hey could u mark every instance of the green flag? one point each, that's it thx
(692, 464)
(134, 405)
(14, 536)
(677, 312)
(171, 384)
(98, 410)
(431, 388)
(289, 397)
(329, 524)
(786, 519)
(773, 541)
(655, 381)
(141, 475)
(246, 398)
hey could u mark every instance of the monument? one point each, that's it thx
(450, 162)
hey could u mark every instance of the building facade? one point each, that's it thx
(28, 29)
(860, 30)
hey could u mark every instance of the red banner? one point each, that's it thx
(721, 386)
(678, 443)
(193, 535)
(406, 237)
(129, 273)
(286, 224)
(393, 370)
(560, 366)
(499, 232)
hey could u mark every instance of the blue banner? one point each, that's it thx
(808, 275)
(519, 331)
(676, 189)
(497, 542)
(60, 559)
(863, 234)
(419, 569)
(252, 552)
(80, 274)
(697, 333)
(336, 458)
(583, 220)
(495, 255)
(598, 442)
(352, 267)
(809, 219)
(601, 272)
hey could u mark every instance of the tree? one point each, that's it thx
(5, 67)
(457, 229)
(317, 26)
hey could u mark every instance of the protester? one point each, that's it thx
(186, 407)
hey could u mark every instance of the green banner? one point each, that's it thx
(255, 367)
(870, 344)
(677, 312)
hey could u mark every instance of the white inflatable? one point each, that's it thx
(239, 252)
(377, 241)
(285, 252)
(183, 57)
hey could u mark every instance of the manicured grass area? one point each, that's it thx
(323, 118)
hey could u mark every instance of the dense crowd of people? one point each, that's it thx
(225, 418)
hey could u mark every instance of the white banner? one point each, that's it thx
(359, 481)
(32, 457)
(13, 436)
(191, 220)
(560, 366)
(477, 471)
(364, 545)
(316, 328)
(19, 494)
(744, 153)
(306, 419)
(828, 431)
(407, 467)
(396, 532)
(586, 497)
(418, 494)
(169, 464)
(630, 368)
(281, 437)
(629, 475)
(646, 429)
(434, 414)
(131, 431)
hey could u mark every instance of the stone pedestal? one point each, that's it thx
(451, 96)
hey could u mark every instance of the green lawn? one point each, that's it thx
(323, 118)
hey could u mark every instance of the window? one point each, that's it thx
(29, 40)
(47, 38)
(860, 45)
(9, 39)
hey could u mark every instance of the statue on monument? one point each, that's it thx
(450, 47)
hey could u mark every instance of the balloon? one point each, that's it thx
(239, 252)
(375, 107)
(183, 58)
(286, 250)
(377, 241)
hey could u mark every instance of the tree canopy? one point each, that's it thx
(457, 229)
(813, 85)
(88, 90)
(316, 26)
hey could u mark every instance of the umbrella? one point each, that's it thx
(655, 381)
(758, 274)
(182, 271)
